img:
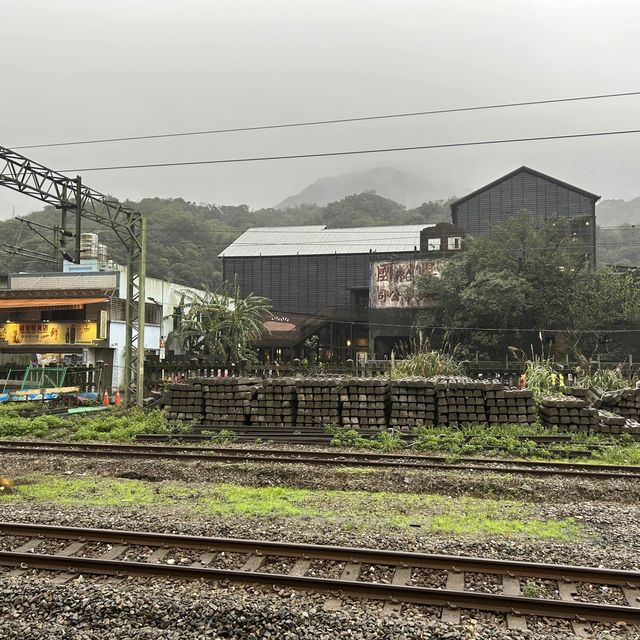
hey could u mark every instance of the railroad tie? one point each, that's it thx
(632, 596)
(350, 572)
(566, 590)
(455, 582)
(158, 555)
(111, 554)
(253, 563)
(300, 567)
(70, 550)
(511, 587)
(401, 576)
(29, 545)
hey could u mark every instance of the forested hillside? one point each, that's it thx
(185, 238)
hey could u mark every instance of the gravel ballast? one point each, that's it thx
(34, 606)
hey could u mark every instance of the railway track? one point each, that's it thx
(327, 458)
(391, 576)
(317, 436)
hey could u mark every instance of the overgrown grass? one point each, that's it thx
(118, 425)
(347, 510)
(507, 440)
(623, 454)
(427, 364)
(18, 407)
(14, 425)
(539, 378)
(224, 436)
(605, 380)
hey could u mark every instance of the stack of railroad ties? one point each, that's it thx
(401, 404)
(581, 410)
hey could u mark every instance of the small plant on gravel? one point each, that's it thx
(532, 590)
(225, 436)
(387, 441)
(344, 437)
(500, 439)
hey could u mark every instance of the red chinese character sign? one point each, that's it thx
(392, 283)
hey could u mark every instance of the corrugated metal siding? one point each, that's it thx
(302, 284)
(542, 198)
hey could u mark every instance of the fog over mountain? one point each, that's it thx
(617, 212)
(404, 187)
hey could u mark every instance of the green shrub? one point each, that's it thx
(121, 425)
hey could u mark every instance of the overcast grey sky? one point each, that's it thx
(85, 69)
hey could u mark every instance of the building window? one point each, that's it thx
(433, 244)
(117, 311)
(152, 313)
(453, 243)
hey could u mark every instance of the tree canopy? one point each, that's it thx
(519, 281)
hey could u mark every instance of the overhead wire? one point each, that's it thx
(310, 123)
(488, 329)
(353, 152)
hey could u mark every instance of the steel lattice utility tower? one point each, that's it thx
(67, 194)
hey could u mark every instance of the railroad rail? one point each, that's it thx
(328, 458)
(100, 552)
(319, 436)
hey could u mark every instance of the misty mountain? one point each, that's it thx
(615, 212)
(404, 188)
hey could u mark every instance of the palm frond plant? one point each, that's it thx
(222, 325)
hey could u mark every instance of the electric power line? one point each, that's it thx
(310, 123)
(444, 328)
(354, 152)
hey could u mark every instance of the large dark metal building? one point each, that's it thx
(526, 189)
(329, 283)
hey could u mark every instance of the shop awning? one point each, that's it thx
(18, 303)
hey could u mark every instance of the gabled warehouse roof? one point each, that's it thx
(318, 240)
(533, 172)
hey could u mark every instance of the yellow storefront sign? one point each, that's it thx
(48, 333)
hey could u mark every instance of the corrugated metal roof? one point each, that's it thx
(318, 240)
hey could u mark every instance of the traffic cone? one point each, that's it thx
(105, 398)
(118, 399)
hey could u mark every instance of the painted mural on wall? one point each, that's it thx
(391, 283)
